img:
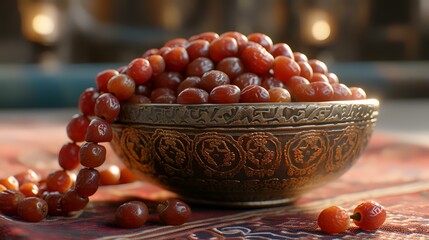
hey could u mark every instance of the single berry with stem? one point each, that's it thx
(369, 215)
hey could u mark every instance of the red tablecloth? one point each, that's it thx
(392, 171)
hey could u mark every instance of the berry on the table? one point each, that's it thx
(369, 215)
(28, 175)
(29, 189)
(132, 214)
(9, 200)
(333, 220)
(72, 201)
(173, 212)
(55, 203)
(10, 183)
(110, 175)
(59, 180)
(32, 209)
(127, 176)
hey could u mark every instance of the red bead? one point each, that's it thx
(68, 157)
(87, 101)
(107, 107)
(92, 155)
(76, 128)
(122, 86)
(87, 182)
(72, 201)
(99, 130)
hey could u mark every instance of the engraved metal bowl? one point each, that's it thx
(243, 154)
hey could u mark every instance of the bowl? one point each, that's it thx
(248, 155)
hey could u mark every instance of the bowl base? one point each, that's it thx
(242, 204)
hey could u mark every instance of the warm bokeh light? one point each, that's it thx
(321, 30)
(43, 24)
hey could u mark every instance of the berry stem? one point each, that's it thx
(356, 216)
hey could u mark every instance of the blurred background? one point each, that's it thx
(50, 51)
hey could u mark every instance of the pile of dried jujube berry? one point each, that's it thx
(206, 68)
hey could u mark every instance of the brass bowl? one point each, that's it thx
(248, 155)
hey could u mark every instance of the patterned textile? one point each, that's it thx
(392, 171)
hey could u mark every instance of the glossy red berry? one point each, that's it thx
(68, 157)
(92, 155)
(76, 128)
(176, 59)
(173, 212)
(284, 68)
(87, 182)
(139, 70)
(193, 96)
(103, 78)
(257, 59)
(333, 220)
(132, 214)
(72, 201)
(60, 181)
(254, 94)
(28, 175)
(369, 215)
(32, 209)
(9, 200)
(122, 86)
(10, 183)
(99, 130)
(107, 107)
(87, 100)
(223, 47)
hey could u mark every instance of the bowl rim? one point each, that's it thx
(254, 114)
(359, 101)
